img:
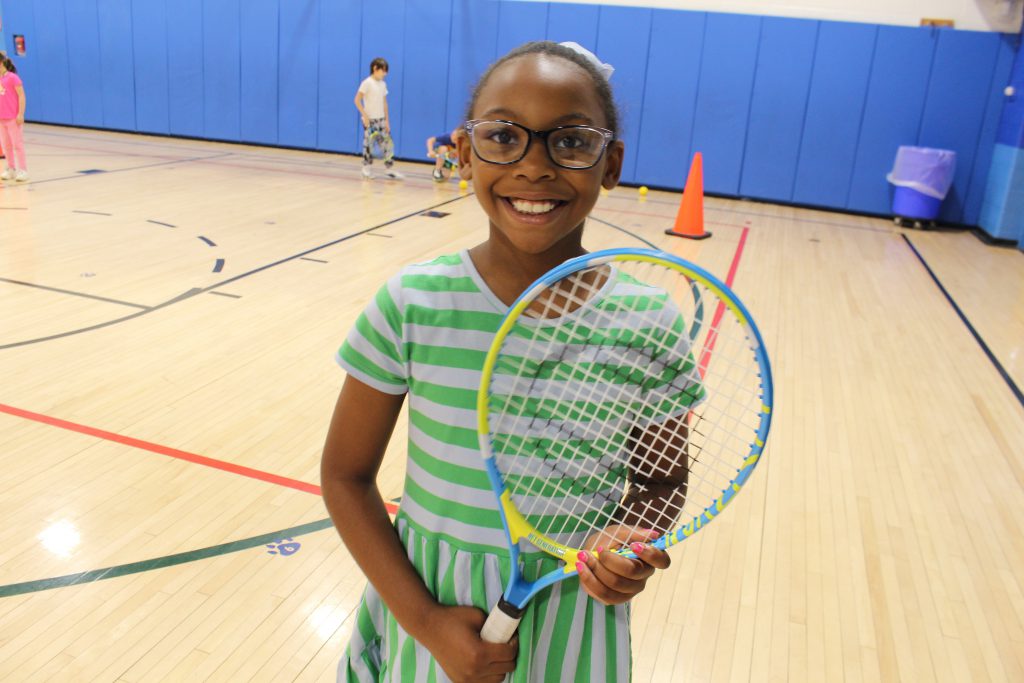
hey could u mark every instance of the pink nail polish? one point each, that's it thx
(580, 567)
(600, 548)
(582, 556)
(637, 548)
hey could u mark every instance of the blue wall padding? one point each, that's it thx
(52, 43)
(384, 36)
(85, 79)
(980, 175)
(520, 22)
(222, 69)
(777, 108)
(577, 23)
(297, 73)
(185, 68)
(620, 31)
(258, 72)
(116, 63)
(149, 44)
(426, 81)
(473, 46)
(19, 19)
(790, 110)
(833, 115)
(723, 100)
(670, 96)
(892, 112)
(340, 72)
(1011, 123)
(956, 93)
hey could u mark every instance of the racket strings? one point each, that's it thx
(647, 351)
(584, 404)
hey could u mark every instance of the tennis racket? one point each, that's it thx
(609, 402)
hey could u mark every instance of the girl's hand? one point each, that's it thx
(21, 119)
(613, 579)
(454, 640)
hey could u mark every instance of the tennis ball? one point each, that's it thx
(463, 184)
(642, 190)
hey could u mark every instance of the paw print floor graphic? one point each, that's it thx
(284, 547)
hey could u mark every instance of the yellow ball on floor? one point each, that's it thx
(642, 190)
(463, 184)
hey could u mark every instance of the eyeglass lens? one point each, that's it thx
(503, 143)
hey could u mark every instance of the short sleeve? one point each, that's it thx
(373, 351)
(675, 386)
(364, 87)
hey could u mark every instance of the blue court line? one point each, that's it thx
(160, 562)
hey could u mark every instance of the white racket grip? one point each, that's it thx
(502, 622)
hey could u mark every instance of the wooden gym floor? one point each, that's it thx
(169, 310)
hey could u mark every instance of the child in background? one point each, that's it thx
(12, 121)
(372, 102)
(442, 148)
(540, 142)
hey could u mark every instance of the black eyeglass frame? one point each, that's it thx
(607, 136)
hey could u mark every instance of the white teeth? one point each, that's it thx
(524, 206)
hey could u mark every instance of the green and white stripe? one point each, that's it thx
(426, 333)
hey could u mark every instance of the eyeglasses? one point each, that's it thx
(505, 142)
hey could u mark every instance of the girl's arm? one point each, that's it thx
(361, 427)
(387, 116)
(430, 146)
(21, 104)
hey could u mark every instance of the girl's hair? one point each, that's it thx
(378, 63)
(546, 47)
(8, 64)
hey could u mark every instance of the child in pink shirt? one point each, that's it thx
(12, 119)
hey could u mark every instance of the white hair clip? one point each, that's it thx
(605, 70)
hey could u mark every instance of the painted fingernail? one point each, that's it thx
(582, 556)
(637, 548)
(580, 567)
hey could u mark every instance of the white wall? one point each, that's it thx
(976, 15)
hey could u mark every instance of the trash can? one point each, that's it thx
(922, 177)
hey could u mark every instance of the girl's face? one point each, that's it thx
(534, 204)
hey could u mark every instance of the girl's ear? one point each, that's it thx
(613, 164)
(465, 150)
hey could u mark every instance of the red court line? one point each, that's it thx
(162, 450)
(709, 345)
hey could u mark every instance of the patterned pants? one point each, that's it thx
(375, 133)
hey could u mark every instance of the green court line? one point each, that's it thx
(160, 562)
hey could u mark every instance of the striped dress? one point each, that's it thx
(426, 333)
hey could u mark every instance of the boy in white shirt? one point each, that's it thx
(372, 103)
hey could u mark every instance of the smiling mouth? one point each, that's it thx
(533, 207)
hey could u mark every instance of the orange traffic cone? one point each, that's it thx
(690, 219)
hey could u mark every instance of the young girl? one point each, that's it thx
(12, 119)
(539, 144)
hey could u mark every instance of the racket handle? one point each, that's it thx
(502, 622)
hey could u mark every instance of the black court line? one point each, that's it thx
(193, 292)
(977, 337)
(185, 160)
(646, 241)
(218, 265)
(314, 260)
(168, 225)
(233, 296)
(72, 293)
(207, 240)
(94, 213)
